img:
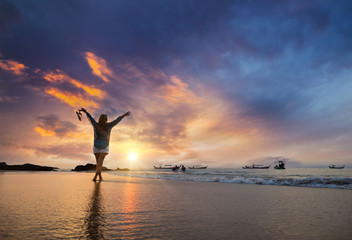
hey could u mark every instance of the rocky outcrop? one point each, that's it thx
(89, 167)
(122, 169)
(25, 167)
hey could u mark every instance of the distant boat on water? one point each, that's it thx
(181, 167)
(166, 166)
(333, 166)
(198, 167)
(280, 164)
(256, 166)
(171, 167)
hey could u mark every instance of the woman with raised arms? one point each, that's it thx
(102, 130)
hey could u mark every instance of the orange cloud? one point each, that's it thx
(176, 92)
(44, 132)
(99, 66)
(49, 133)
(55, 77)
(12, 66)
(52, 125)
(62, 77)
(71, 99)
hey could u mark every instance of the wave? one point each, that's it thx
(314, 181)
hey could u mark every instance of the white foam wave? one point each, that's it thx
(317, 182)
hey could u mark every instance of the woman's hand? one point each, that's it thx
(83, 110)
(126, 114)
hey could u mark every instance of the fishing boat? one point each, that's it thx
(333, 166)
(198, 167)
(181, 167)
(166, 166)
(256, 166)
(280, 164)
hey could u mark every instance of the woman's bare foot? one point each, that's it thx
(100, 177)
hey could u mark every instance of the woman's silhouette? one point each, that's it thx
(102, 131)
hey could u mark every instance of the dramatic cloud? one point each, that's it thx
(59, 76)
(74, 100)
(176, 92)
(51, 125)
(44, 132)
(223, 83)
(99, 66)
(12, 66)
(161, 113)
(64, 151)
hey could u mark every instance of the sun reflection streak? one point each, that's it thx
(130, 220)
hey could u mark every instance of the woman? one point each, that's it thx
(102, 131)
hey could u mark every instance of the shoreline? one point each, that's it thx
(116, 174)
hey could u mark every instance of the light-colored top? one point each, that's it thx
(102, 133)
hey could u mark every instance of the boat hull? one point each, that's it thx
(162, 167)
(198, 167)
(336, 167)
(250, 167)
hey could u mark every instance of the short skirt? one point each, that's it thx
(98, 150)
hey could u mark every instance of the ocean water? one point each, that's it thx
(300, 177)
(68, 205)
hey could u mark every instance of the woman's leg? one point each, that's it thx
(96, 170)
(100, 164)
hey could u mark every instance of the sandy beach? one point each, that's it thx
(63, 205)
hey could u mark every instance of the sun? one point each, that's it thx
(132, 156)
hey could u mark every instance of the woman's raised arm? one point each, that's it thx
(117, 120)
(90, 118)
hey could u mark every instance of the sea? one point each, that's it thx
(298, 177)
(195, 204)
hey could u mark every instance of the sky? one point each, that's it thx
(219, 83)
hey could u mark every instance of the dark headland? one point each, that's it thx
(92, 167)
(26, 167)
(89, 167)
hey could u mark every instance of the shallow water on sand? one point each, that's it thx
(69, 205)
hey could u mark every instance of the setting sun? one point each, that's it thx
(132, 156)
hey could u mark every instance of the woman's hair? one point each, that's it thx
(103, 119)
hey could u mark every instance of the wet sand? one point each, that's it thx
(60, 205)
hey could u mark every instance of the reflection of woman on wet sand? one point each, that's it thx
(102, 131)
(95, 220)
